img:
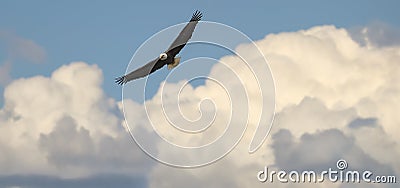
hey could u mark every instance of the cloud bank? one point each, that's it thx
(64, 126)
(336, 98)
(330, 91)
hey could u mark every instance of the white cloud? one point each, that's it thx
(67, 125)
(326, 63)
(324, 82)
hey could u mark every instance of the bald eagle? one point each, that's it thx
(166, 58)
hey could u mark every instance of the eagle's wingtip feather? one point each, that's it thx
(120, 80)
(197, 15)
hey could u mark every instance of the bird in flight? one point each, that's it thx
(166, 58)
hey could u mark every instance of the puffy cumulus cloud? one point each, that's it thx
(316, 141)
(335, 99)
(302, 118)
(326, 63)
(19, 47)
(312, 135)
(378, 144)
(80, 145)
(42, 100)
(65, 126)
(320, 151)
(315, 137)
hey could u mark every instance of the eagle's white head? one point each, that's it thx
(163, 56)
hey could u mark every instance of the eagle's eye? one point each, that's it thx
(163, 56)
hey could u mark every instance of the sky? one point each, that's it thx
(62, 117)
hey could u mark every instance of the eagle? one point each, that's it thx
(166, 58)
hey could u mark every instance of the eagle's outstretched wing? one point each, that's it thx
(184, 35)
(141, 72)
(174, 49)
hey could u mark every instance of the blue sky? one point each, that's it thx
(73, 127)
(108, 33)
